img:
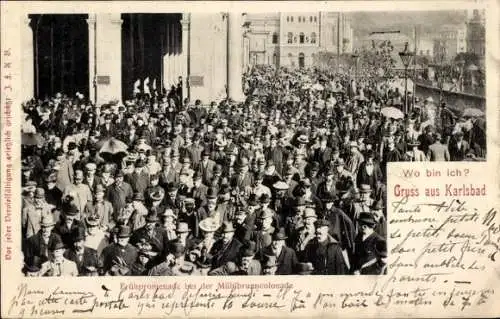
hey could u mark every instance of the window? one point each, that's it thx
(310, 19)
(301, 37)
(275, 38)
(290, 37)
(291, 19)
(287, 19)
(313, 37)
(315, 19)
(300, 19)
(302, 60)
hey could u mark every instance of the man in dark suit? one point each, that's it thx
(139, 179)
(458, 147)
(118, 257)
(36, 248)
(86, 258)
(325, 252)
(323, 153)
(225, 249)
(118, 192)
(370, 248)
(199, 191)
(286, 257)
(151, 233)
(243, 179)
(369, 171)
(108, 129)
(206, 167)
(68, 223)
(275, 152)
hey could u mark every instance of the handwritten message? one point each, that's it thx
(443, 255)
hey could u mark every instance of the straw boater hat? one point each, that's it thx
(209, 225)
(92, 220)
(365, 188)
(169, 213)
(302, 139)
(182, 228)
(280, 185)
(47, 221)
(310, 213)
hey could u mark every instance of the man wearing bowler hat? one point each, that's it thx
(199, 190)
(286, 258)
(69, 222)
(151, 233)
(84, 257)
(100, 207)
(139, 179)
(262, 235)
(325, 252)
(363, 203)
(58, 265)
(341, 226)
(139, 213)
(118, 192)
(244, 265)
(37, 246)
(32, 214)
(121, 253)
(80, 192)
(206, 167)
(227, 247)
(370, 248)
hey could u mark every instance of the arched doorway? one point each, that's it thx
(151, 47)
(302, 62)
(61, 61)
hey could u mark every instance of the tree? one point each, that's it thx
(468, 57)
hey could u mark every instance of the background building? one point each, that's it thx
(293, 39)
(476, 39)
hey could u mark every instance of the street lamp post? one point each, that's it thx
(461, 64)
(406, 57)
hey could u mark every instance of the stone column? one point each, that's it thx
(235, 57)
(91, 24)
(185, 22)
(28, 62)
(109, 57)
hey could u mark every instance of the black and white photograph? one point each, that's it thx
(235, 144)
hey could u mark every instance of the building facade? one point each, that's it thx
(203, 51)
(476, 33)
(293, 39)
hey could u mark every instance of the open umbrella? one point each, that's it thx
(32, 139)
(318, 87)
(112, 149)
(392, 112)
(472, 67)
(473, 112)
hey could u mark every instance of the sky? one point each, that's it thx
(365, 22)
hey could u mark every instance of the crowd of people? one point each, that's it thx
(290, 181)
